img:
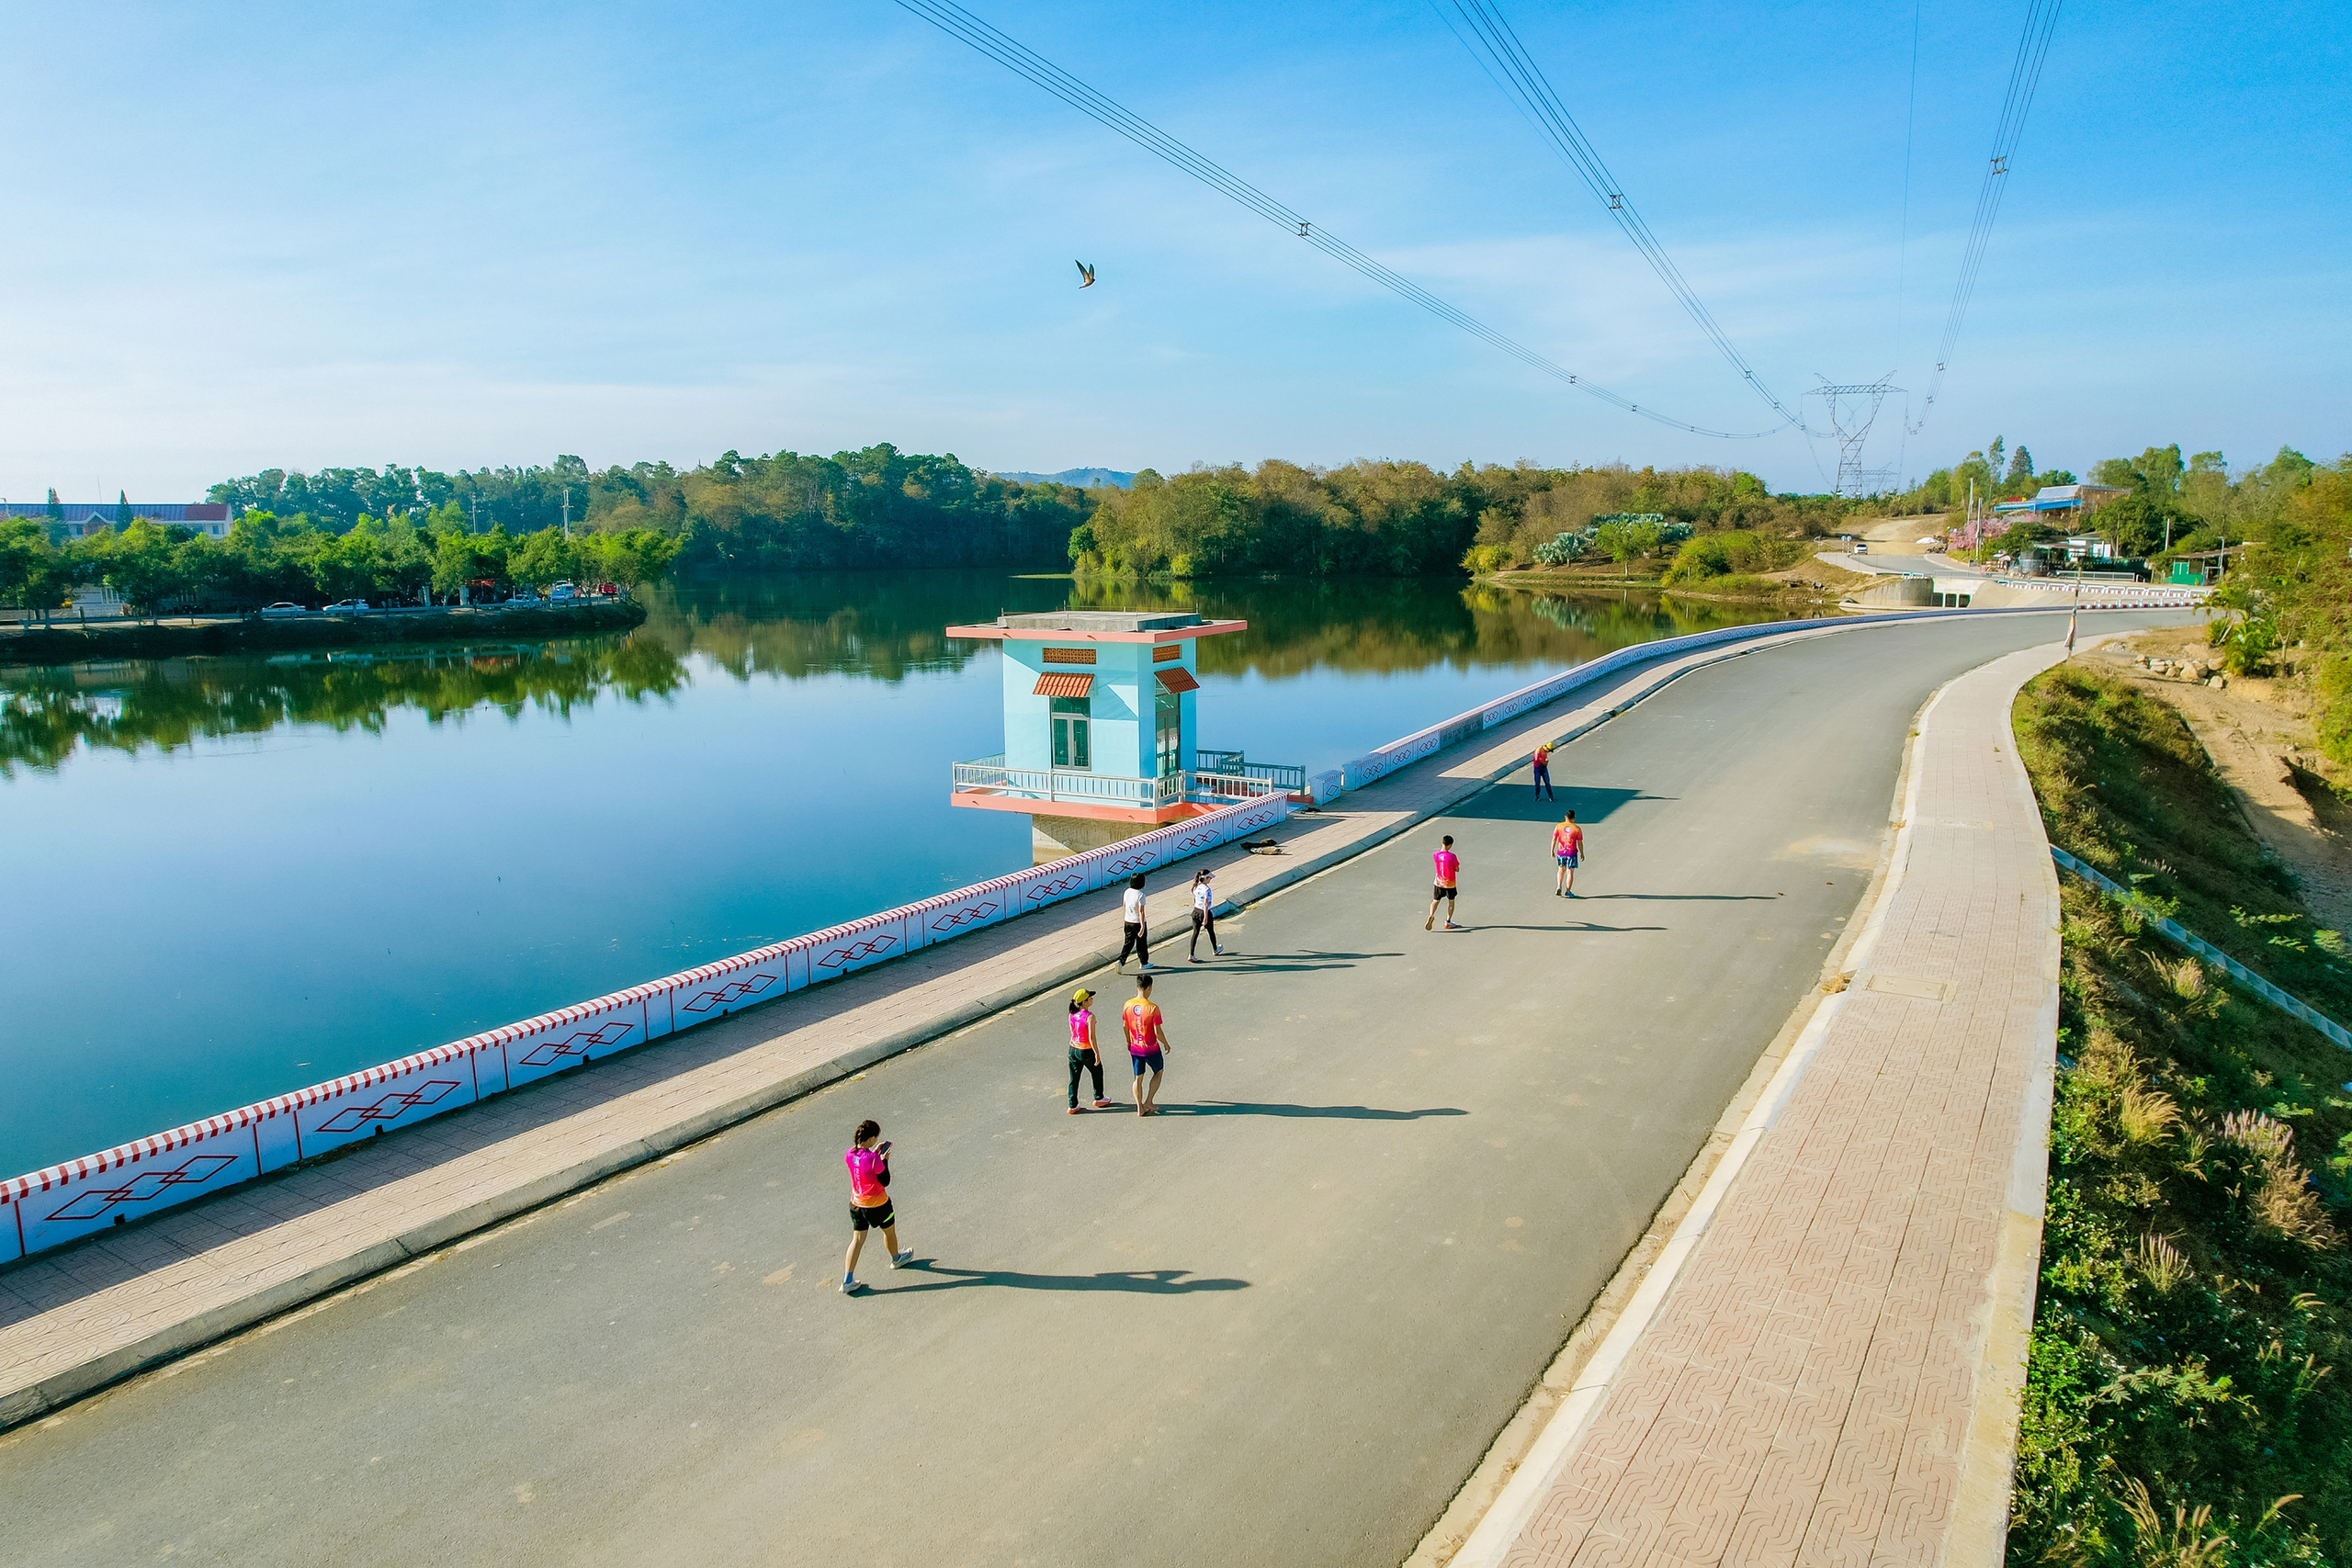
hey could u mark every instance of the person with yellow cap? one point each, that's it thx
(1083, 1056)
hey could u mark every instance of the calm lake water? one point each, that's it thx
(230, 878)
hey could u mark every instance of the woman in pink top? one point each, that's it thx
(1083, 1058)
(869, 1202)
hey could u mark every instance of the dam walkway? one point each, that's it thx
(1280, 1324)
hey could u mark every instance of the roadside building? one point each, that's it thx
(73, 519)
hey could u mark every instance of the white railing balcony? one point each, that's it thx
(990, 775)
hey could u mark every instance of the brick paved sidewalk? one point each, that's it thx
(75, 1320)
(1832, 1374)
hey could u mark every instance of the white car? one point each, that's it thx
(346, 607)
(283, 607)
(563, 593)
(1860, 548)
(522, 596)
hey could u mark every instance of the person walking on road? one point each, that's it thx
(1083, 1058)
(1448, 866)
(869, 1202)
(1567, 850)
(1148, 1047)
(1543, 772)
(1205, 915)
(1138, 925)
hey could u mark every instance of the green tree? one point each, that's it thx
(1624, 542)
(542, 558)
(32, 571)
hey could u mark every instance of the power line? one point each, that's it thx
(1524, 80)
(1025, 62)
(1902, 231)
(2025, 75)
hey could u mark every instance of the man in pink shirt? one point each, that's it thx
(1448, 866)
(1567, 850)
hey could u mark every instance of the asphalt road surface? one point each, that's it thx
(1277, 1325)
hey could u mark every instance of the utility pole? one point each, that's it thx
(567, 512)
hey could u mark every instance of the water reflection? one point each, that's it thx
(49, 713)
(876, 626)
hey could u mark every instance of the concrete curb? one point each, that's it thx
(60, 1388)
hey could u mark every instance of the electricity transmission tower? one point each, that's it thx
(1849, 412)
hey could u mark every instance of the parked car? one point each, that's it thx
(563, 593)
(522, 596)
(284, 608)
(1861, 548)
(346, 607)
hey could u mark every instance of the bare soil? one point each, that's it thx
(2259, 731)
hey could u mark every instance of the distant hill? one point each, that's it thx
(1083, 478)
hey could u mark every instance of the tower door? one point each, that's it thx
(1167, 732)
(1073, 745)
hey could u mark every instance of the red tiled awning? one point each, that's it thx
(1062, 686)
(1178, 681)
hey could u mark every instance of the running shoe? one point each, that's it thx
(903, 1258)
(850, 1287)
(1073, 1110)
(1102, 1105)
(1452, 927)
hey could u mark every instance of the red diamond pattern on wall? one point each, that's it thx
(549, 1051)
(433, 1091)
(144, 1188)
(733, 992)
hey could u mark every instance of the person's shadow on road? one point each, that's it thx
(1336, 1112)
(1566, 926)
(1131, 1281)
(1270, 964)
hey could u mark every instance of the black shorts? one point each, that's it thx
(864, 1219)
(1438, 893)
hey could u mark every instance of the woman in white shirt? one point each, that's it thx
(1205, 915)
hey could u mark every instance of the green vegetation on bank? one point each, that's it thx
(166, 568)
(1407, 519)
(2188, 1397)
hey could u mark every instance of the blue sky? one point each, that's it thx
(465, 234)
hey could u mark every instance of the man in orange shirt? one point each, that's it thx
(1543, 772)
(1147, 1044)
(1568, 849)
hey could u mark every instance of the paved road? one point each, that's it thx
(1277, 1325)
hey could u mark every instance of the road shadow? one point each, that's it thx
(1571, 926)
(1513, 801)
(1130, 1281)
(1269, 964)
(1331, 1112)
(1681, 897)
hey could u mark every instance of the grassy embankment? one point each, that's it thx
(131, 640)
(2188, 1398)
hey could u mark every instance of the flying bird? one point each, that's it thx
(1085, 272)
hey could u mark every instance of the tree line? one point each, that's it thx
(1407, 519)
(880, 507)
(875, 508)
(415, 558)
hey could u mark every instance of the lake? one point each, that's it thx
(230, 878)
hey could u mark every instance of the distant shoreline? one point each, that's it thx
(128, 639)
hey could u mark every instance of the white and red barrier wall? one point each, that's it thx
(65, 1202)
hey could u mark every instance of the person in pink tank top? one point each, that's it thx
(1083, 1056)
